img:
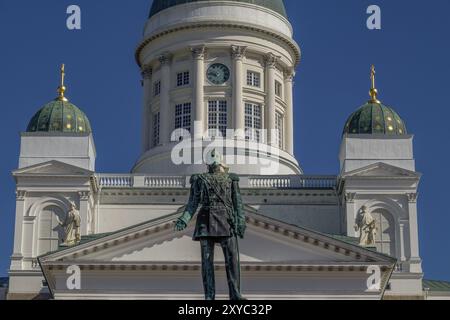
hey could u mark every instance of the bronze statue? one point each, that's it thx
(220, 220)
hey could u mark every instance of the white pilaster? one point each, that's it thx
(238, 54)
(198, 55)
(165, 124)
(288, 94)
(350, 214)
(84, 214)
(16, 260)
(415, 265)
(147, 73)
(402, 241)
(271, 61)
(29, 245)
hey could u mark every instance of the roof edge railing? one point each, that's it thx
(123, 181)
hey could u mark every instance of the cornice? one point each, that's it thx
(215, 24)
(255, 267)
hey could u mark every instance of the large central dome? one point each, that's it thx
(251, 41)
(275, 5)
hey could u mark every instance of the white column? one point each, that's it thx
(30, 234)
(415, 265)
(84, 214)
(402, 241)
(198, 55)
(238, 54)
(164, 106)
(271, 61)
(17, 256)
(147, 73)
(289, 116)
(350, 214)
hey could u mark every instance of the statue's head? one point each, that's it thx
(214, 161)
(363, 209)
(72, 205)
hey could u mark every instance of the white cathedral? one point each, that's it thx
(210, 66)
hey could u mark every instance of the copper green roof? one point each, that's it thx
(60, 116)
(375, 118)
(275, 5)
(436, 286)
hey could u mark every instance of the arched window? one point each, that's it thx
(50, 232)
(385, 239)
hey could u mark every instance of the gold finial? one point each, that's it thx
(373, 90)
(62, 88)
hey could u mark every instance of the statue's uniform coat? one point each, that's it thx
(219, 215)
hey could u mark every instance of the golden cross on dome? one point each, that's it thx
(372, 76)
(373, 90)
(62, 88)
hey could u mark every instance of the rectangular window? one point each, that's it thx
(279, 126)
(183, 116)
(253, 122)
(183, 79)
(253, 79)
(156, 127)
(157, 88)
(278, 89)
(217, 118)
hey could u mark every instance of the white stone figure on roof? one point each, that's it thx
(366, 225)
(71, 226)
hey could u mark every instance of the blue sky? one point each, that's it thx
(410, 52)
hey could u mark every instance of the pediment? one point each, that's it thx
(54, 168)
(382, 170)
(267, 241)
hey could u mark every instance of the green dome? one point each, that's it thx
(375, 118)
(275, 5)
(60, 116)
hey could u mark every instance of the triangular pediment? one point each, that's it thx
(267, 241)
(382, 170)
(53, 168)
(151, 261)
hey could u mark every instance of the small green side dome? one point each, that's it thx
(275, 5)
(60, 116)
(375, 118)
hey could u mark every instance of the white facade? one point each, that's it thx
(301, 242)
(359, 151)
(75, 149)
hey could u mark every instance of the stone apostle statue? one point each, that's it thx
(366, 225)
(71, 226)
(220, 220)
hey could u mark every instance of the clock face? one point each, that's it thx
(218, 73)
